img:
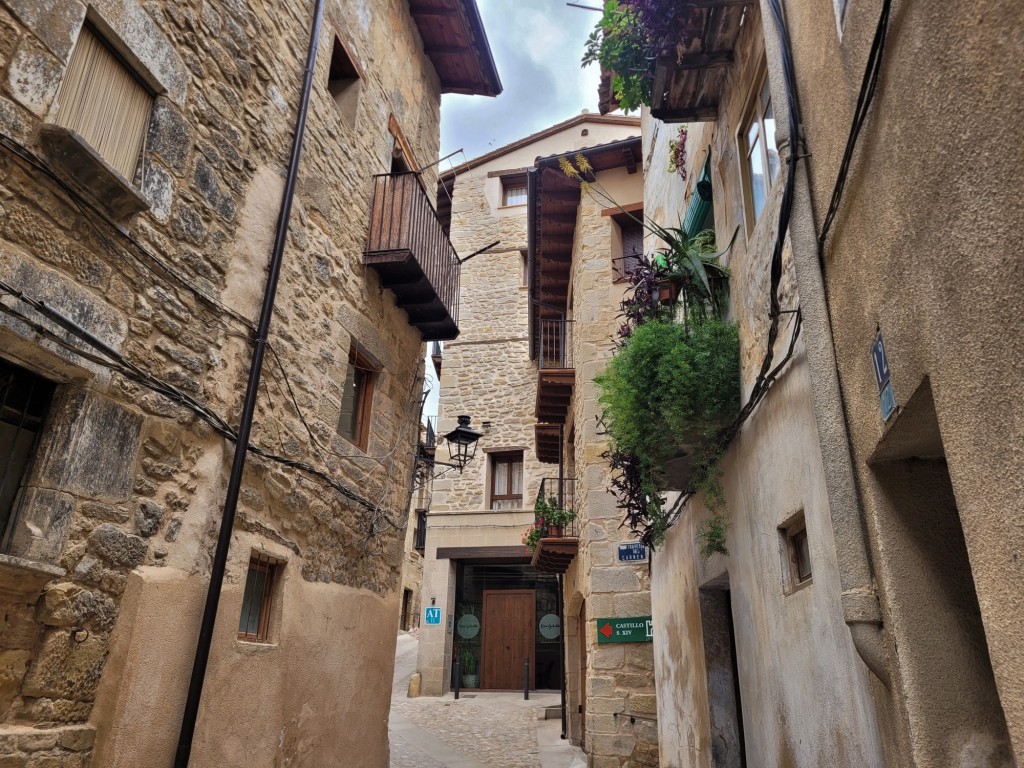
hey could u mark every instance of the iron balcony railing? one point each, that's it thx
(430, 432)
(557, 493)
(555, 349)
(435, 349)
(419, 539)
(408, 247)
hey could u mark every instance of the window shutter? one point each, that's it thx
(104, 103)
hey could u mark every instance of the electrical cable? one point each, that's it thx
(860, 113)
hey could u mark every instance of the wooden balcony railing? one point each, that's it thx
(413, 256)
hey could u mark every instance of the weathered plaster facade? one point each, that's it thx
(750, 665)
(487, 371)
(924, 251)
(107, 571)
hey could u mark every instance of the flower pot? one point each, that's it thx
(555, 532)
(471, 681)
(668, 292)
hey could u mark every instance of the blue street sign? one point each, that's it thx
(432, 615)
(888, 401)
(880, 361)
(632, 552)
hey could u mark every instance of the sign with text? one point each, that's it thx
(886, 398)
(432, 615)
(633, 630)
(633, 552)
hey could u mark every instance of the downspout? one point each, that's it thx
(861, 609)
(195, 688)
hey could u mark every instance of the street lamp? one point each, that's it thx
(462, 443)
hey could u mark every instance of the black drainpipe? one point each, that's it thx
(195, 688)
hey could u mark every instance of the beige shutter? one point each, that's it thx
(104, 103)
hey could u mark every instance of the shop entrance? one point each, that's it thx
(508, 637)
(505, 614)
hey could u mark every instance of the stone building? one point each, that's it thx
(870, 610)
(144, 156)
(584, 242)
(476, 569)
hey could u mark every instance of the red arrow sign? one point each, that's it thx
(606, 630)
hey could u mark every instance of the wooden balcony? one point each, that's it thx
(688, 83)
(557, 549)
(413, 256)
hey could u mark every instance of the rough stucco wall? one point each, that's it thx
(926, 249)
(805, 694)
(213, 165)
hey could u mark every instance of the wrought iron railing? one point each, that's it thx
(430, 432)
(435, 349)
(555, 349)
(558, 493)
(402, 218)
(419, 537)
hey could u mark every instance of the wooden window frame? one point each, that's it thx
(755, 111)
(509, 457)
(513, 182)
(627, 218)
(363, 410)
(261, 563)
(792, 535)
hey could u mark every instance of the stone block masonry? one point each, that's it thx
(129, 481)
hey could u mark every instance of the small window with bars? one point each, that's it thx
(24, 404)
(261, 584)
(507, 481)
(104, 102)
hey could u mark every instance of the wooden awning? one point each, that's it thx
(688, 81)
(456, 43)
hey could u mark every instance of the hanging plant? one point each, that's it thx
(677, 153)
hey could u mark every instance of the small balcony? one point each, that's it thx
(557, 546)
(413, 256)
(556, 376)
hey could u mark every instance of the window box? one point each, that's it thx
(90, 175)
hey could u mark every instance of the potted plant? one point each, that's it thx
(468, 668)
(534, 534)
(552, 517)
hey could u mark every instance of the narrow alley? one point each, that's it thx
(480, 730)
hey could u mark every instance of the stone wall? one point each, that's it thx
(128, 484)
(619, 686)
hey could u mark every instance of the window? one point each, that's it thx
(105, 103)
(406, 620)
(507, 480)
(513, 190)
(258, 600)
(354, 422)
(24, 402)
(525, 266)
(760, 156)
(797, 565)
(632, 248)
(419, 540)
(343, 82)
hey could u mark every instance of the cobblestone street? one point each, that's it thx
(485, 730)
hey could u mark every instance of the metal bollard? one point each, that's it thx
(458, 677)
(526, 679)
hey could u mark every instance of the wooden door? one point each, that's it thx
(508, 638)
(582, 635)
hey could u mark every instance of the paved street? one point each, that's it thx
(482, 730)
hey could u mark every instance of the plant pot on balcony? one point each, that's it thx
(668, 292)
(555, 532)
(471, 681)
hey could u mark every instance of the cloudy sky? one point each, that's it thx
(537, 47)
